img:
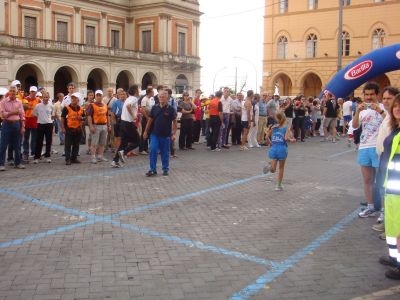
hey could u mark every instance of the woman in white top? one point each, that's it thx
(254, 113)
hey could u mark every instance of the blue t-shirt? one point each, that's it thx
(262, 106)
(116, 108)
(278, 136)
(162, 120)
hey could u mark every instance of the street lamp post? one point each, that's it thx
(254, 66)
(215, 77)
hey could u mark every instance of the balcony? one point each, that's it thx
(104, 52)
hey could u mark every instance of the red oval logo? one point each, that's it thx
(359, 70)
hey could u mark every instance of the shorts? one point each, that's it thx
(347, 119)
(245, 124)
(117, 129)
(289, 122)
(367, 157)
(278, 152)
(330, 123)
(99, 138)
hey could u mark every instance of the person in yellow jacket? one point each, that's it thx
(392, 193)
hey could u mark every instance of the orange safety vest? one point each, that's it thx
(73, 120)
(99, 114)
(213, 107)
(31, 106)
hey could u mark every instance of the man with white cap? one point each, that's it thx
(99, 126)
(20, 93)
(67, 99)
(30, 124)
(71, 125)
(13, 116)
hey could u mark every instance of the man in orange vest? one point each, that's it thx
(99, 127)
(216, 120)
(71, 126)
(30, 124)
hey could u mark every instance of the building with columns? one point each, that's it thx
(301, 41)
(97, 44)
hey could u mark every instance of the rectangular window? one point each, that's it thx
(30, 27)
(346, 2)
(115, 38)
(283, 6)
(146, 41)
(182, 44)
(312, 4)
(62, 31)
(90, 35)
(346, 47)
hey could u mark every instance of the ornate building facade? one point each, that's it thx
(301, 40)
(99, 44)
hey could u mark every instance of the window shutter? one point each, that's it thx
(114, 38)
(30, 27)
(146, 41)
(182, 44)
(90, 35)
(62, 31)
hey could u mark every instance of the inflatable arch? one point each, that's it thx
(373, 64)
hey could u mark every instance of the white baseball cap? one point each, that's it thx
(33, 88)
(77, 95)
(39, 94)
(15, 83)
(3, 91)
(99, 92)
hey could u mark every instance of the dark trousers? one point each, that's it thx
(203, 127)
(130, 138)
(237, 130)
(30, 133)
(196, 131)
(186, 133)
(71, 144)
(43, 130)
(10, 155)
(11, 137)
(144, 143)
(215, 125)
(299, 124)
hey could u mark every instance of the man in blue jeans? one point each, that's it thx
(162, 120)
(13, 126)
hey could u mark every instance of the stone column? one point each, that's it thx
(195, 38)
(47, 20)
(13, 17)
(77, 25)
(164, 33)
(129, 34)
(169, 37)
(103, 30)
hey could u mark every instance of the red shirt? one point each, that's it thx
(30, 120)
(197, 111)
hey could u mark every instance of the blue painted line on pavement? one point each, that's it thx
(192, 244)
(44, 234)
(340, 153)
(280, 268)
(184, 197)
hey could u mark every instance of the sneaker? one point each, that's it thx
(36, 161)
(94, 160)
(143, 153)
(378, 227)
(68, 162)
(267, 168)
(122, 156)
(393, 273)
(324, 140)
(165, 173)
(48, 160)
(102, 159)
(151, 173)
(369, 212)
(381, 217)
(382, 236)
(114, 164)
(54, 151)
(334, 140)
(2, 168)
(279, 188)
(216, 150)
(226, 146)
(243, 148)
(11, 162)
(21, 167)
(75, 161)
(388, 261)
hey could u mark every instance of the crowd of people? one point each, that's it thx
(124, 121)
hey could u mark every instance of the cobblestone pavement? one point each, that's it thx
(214, 229)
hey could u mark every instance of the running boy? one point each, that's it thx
(278, 135)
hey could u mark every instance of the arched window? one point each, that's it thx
(378, 38)
(282, 47)
(345, 43)
(311, 45)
